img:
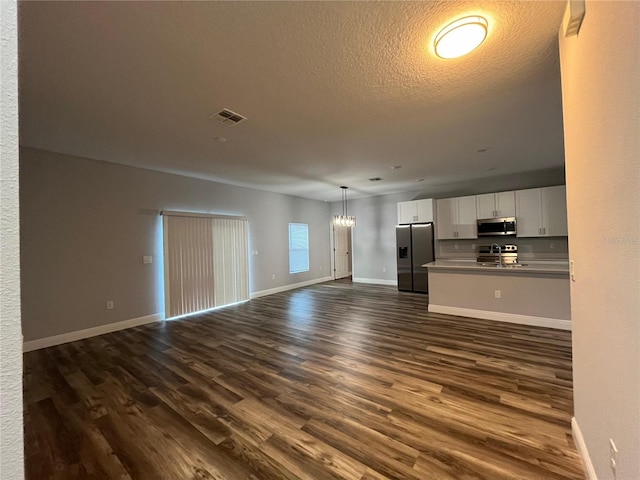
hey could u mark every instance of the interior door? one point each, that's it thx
(341, 251)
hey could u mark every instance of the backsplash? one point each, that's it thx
(547, 248)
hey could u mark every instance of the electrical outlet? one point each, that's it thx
(147, 259)
(497, 293)
(273, 277)
(613, 456)
(455, 245)
(473, 246)
(109, 304)
(384, 269)
(552, 245)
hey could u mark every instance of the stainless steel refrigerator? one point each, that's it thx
(414, 249)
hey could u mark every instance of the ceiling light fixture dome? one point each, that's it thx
(461, 37)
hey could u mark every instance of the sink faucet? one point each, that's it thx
(499, 253)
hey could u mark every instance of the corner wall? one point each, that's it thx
(11, 437)
(86, 224)
(600, 88)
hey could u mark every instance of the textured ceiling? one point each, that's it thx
(334, 92)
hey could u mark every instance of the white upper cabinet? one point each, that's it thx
(542, 212)
(554, 211)
(456, 217)
(529, 212)
(446, 218)
(492, 205)
(415, 211)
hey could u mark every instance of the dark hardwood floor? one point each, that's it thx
(330, 381)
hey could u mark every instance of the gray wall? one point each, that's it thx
(11, 439)
(600, 76)
(85, 226)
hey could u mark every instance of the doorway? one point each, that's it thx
(341, 252)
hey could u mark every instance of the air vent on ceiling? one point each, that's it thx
(228, 117)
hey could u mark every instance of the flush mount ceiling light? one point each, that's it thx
(461, 37)
(344, 220)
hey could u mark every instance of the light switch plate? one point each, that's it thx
(147, 259)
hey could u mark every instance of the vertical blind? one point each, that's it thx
(206, 262)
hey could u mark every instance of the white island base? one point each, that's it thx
(534, 295)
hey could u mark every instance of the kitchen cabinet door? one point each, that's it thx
(505, 204)
(407, 212)
(446, 214)
(456, 218)
(467, 225)
(425, 210)
(529, 212)
(492, 205)
(542, 212)
(486, 205)
(554, 211)
(415, 211)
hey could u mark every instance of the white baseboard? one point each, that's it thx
(292, 286)
(89, 332)
(375, 281)
(582, 450)
(503, 317)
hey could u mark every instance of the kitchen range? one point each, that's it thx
(495, 254)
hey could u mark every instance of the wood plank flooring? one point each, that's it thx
(336, 380)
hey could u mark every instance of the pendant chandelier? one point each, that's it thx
(344, 220)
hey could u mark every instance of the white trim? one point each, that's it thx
(89, 332)
(503, 317)
(582, 450)
(375, 281)
(292, 286)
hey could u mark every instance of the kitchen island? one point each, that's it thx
(536, 293)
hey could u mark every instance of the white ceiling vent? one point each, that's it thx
(228, 117)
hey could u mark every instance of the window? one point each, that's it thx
(298, 247)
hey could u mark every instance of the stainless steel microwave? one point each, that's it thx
(489, 227)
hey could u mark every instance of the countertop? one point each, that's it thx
(551, 267)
